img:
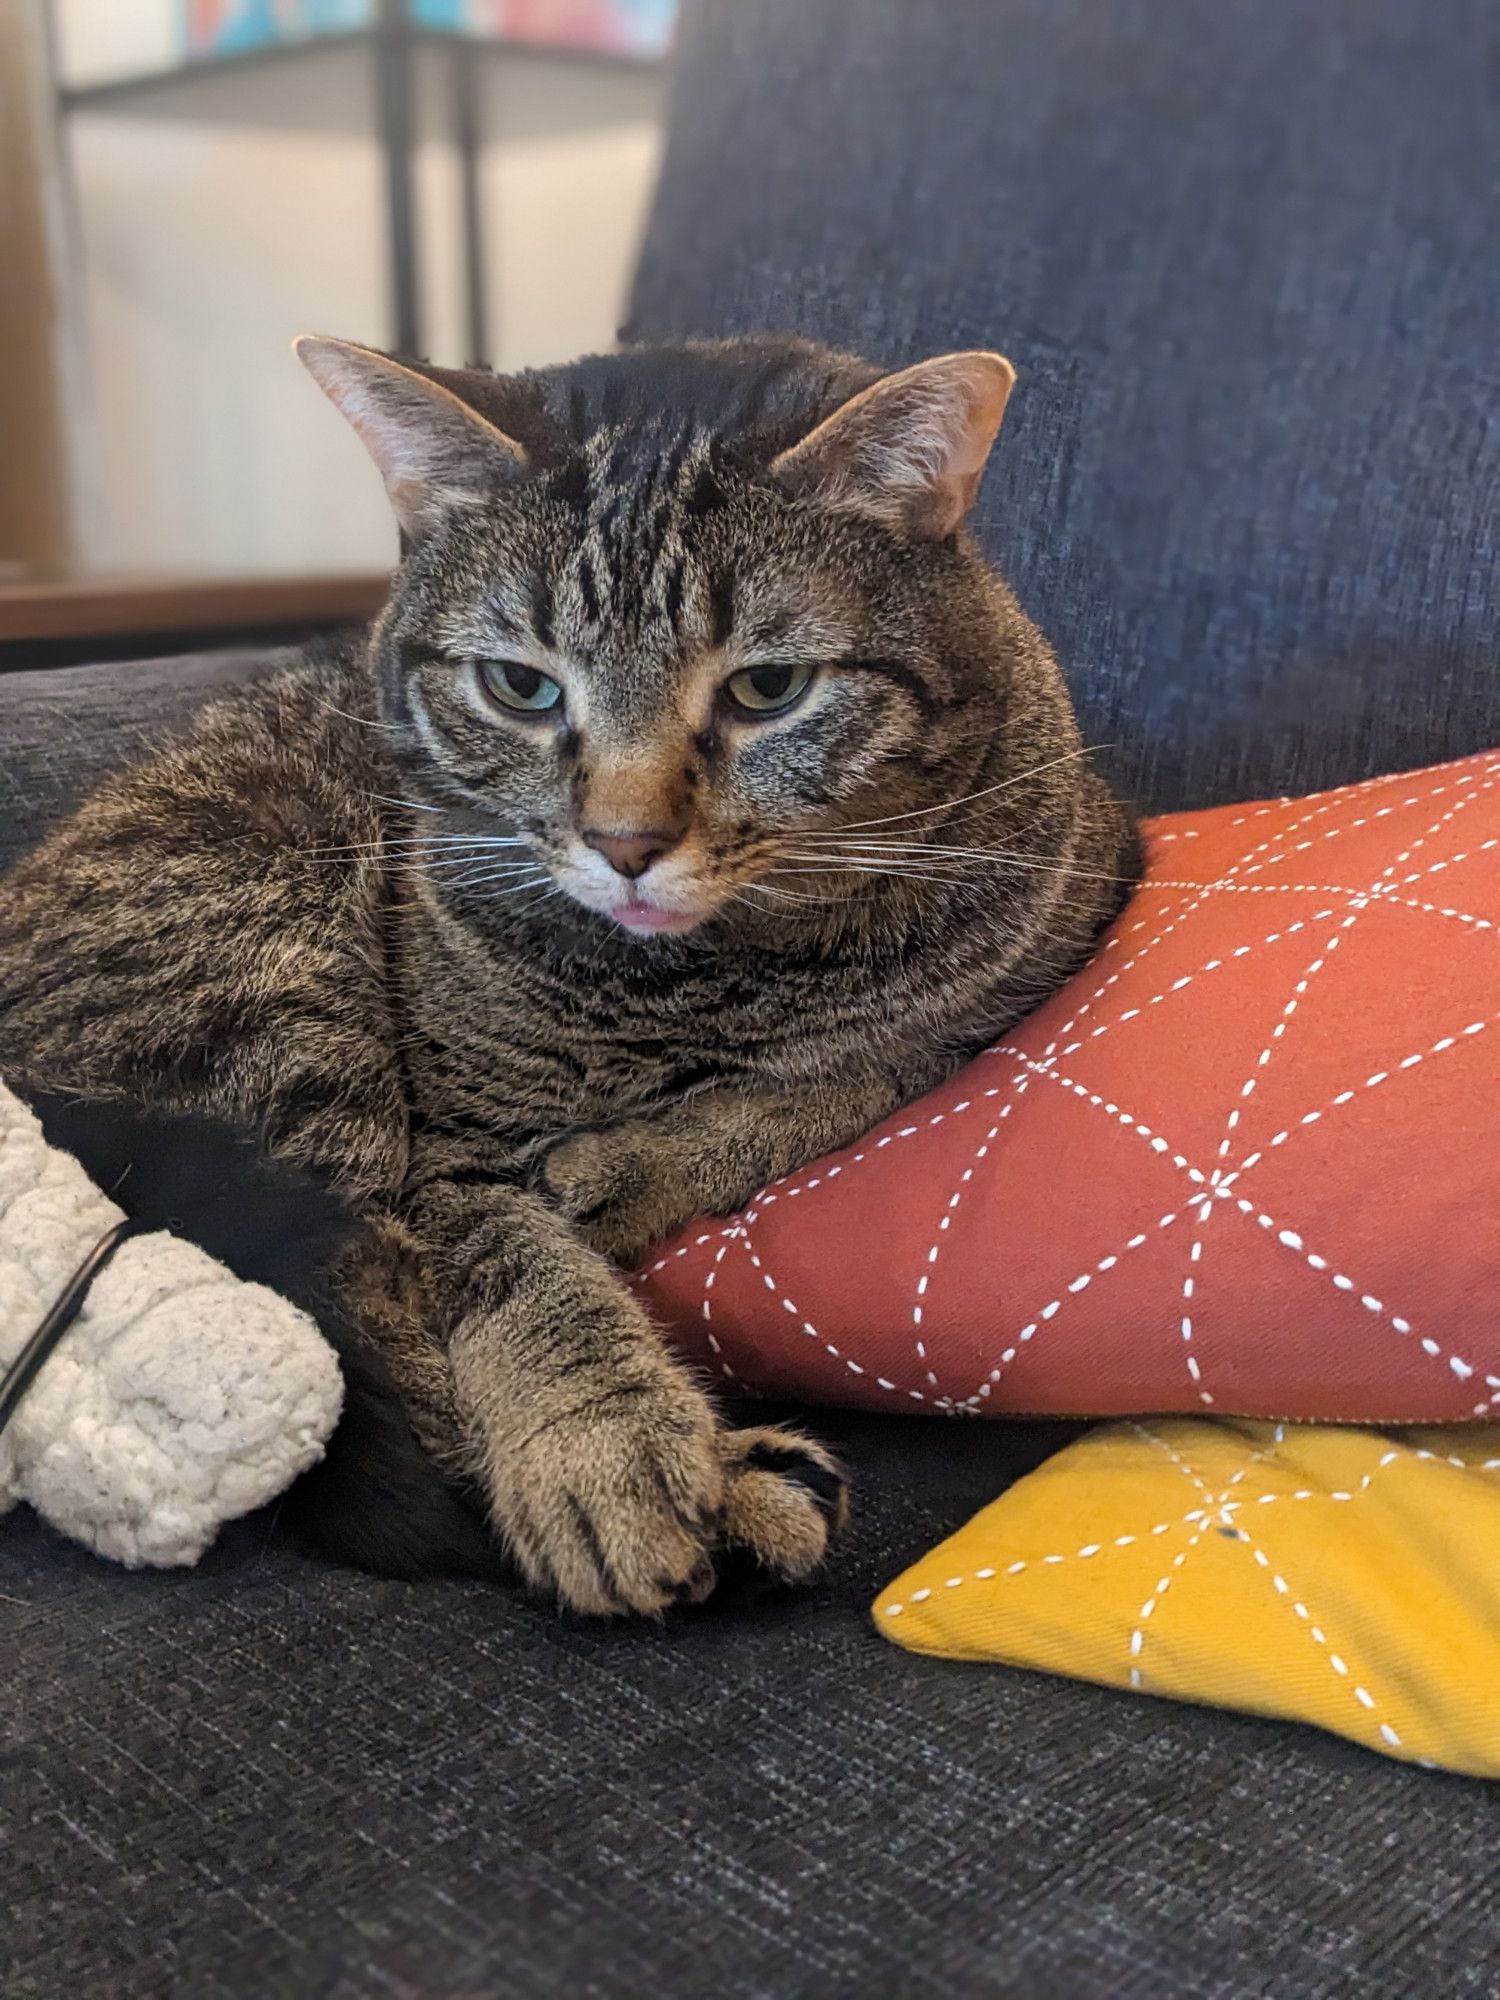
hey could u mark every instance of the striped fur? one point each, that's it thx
(278, 920)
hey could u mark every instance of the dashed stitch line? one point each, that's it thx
(946, 1221)
(990, 1571)
(1452, 861)
(812, 1332)
(1363, 785)
(1247, 1090)
(1129, 965)
(1227, 957)
(1379, 892)
(1291, 1240)
(1340, 1667)
(1478, 783)
(1202, 891)
(1220, 1510)
(1223, 886)
(708, 1285)
(780, 1190)
(1112, 1110)
(1336, 1494)
(1459, 805)
(1151, 1437)
(1053, 1307)
(787, 1189)
(1450, 1458)
(1387, 901)
(1373, 1082)
(1143, 1616)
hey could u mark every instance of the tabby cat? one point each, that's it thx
(698, 798)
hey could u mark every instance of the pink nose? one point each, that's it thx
(629, 854)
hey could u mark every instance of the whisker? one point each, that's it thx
(872, 868)
(413, 805)
(506, 875)
(537, 901)
(951, 856)
(947, 805)
(804, 906)
(479, 841)
(364, 721)
(448, 863)
(791, 895)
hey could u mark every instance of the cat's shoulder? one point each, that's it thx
(292, 756)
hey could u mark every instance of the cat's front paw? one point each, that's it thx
(613, 1505)
(785, 1498)
(619, 1187)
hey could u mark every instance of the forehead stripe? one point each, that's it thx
(721, 604)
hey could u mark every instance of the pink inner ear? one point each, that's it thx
(910, 450)
(433, 452)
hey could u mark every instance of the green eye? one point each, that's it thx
(769, 690)
(515, 685)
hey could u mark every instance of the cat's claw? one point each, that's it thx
(632, 1516)
(785, 1498)
(613, 1507)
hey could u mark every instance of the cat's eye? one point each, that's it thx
(769, 690)
(514, 685)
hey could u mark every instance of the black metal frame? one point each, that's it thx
(393, 41)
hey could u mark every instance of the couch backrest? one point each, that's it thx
(1245, 258)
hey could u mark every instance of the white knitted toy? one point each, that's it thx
(180, 1398)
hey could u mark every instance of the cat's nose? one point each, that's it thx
(630, 854)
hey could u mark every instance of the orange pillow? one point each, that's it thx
(1245, 1162)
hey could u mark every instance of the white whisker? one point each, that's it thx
(948, 805)
(364, 721)
(947, 857)
(791, 895)
(502, 877)
(480, 842)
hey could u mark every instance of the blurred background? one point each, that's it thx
(189, 183)
(1246, 260)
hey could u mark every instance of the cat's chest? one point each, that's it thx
(514, 1049)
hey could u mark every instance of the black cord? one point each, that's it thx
(22, 1372)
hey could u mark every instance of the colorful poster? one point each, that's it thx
(610, 27)
(229, 27)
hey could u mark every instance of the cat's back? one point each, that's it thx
(272, 760)
(235, 855)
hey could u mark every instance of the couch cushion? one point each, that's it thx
(1238, 1163)
(1241, 257)
(1340, 1576)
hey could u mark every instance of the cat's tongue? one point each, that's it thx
(647, 917)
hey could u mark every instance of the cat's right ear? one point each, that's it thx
(435, 454)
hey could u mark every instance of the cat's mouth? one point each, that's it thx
(637, 913)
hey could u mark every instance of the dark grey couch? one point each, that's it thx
(1249, 486)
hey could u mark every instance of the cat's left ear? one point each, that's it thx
(435, 454)
(910, 450)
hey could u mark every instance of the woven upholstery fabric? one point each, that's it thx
(1245, 1160)
(267, 1778)
(1340, 1576)
(1243, 259)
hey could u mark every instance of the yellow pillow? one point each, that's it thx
(1349, 1578)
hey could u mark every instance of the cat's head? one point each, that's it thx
(687, 624)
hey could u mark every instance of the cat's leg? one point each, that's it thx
(625, 1186)
(606, 1469)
